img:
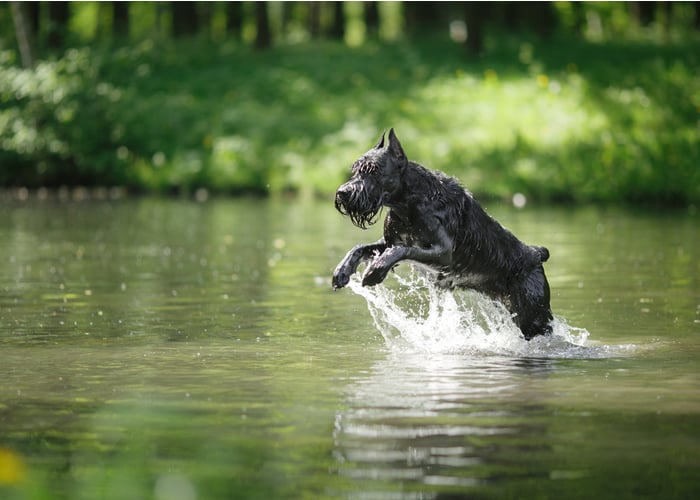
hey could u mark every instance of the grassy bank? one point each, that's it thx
(564, 120)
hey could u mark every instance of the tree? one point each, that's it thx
(25, 33)
(290, 14)
(371, 12)
(645, 12)
(205, 15)
(476, 15)
(59, 13)
(542, 18)
(185, 20)
(234, 19)
(579, 17)
(263, 38)
(338, 28)
(423, 16)
(120, 19)
(32, 9)
(536, 16)
(314, 19)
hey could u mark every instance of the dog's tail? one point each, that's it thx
(542, 252)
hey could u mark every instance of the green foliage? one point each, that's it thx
(57, 122)
(565, 119)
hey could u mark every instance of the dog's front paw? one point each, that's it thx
(340, 279)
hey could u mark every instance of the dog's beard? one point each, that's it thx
(361, 208)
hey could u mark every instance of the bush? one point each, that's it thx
(58, 123)
(564, 120)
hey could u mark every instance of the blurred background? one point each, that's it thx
(559, 101)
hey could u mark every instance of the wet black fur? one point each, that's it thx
(433, 220)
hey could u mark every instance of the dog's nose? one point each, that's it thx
(342, 195)
(342, 192)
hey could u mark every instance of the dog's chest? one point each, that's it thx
(409, 239)
(406, 231)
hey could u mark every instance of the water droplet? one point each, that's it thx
(519, 200)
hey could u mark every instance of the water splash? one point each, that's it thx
(411, 313)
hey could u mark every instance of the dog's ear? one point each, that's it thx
(395, 146)
(380, 144)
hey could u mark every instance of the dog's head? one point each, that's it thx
(375, 181)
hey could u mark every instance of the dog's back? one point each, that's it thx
(486, 256)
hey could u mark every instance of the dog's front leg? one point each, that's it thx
(436, 255)
(348, 266)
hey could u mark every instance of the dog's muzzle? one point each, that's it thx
(357, 202)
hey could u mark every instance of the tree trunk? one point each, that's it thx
(371, 11)
(120, 19)
(205, 16)
(33, 11)
(314, 19)
(185, 20)
(290, 14)
(667, 9)
(647, 11)
(25, 34)
(542, 18)
(263, 39)
(424, 17)
(338, 28)
(234, 19)
(59, 14)
(476, 15)
(579, 17)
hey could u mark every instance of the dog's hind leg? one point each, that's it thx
(530, 305)
(534, 323)
(348, 266)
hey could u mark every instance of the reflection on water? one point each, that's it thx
(151, 346)
(441, 420)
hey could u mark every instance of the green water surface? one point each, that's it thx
(169, 349)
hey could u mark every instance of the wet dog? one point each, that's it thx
(434, 221)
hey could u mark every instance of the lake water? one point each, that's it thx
(169, 349)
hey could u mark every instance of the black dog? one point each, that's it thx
(434, 221)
